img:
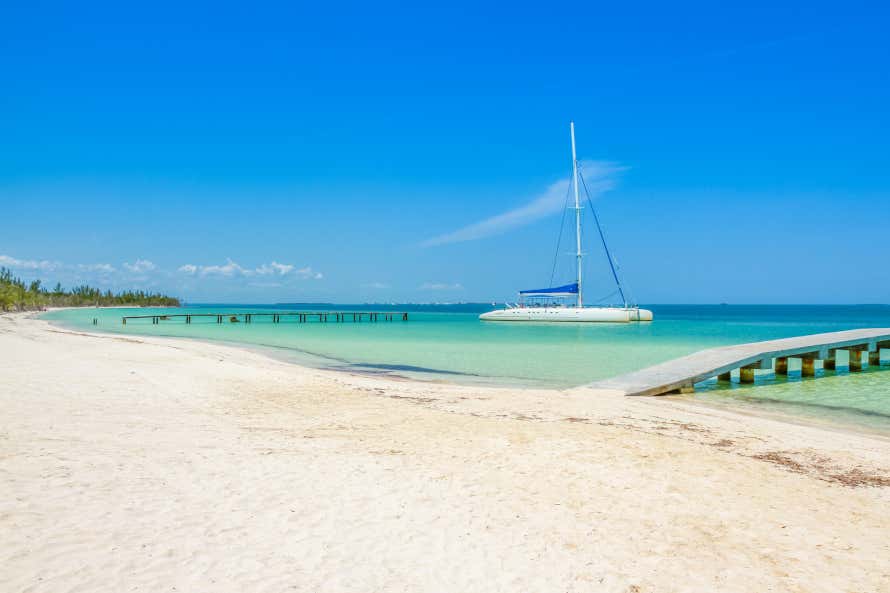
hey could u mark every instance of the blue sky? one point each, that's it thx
(381, 152)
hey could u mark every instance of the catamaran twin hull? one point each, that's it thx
(576, 314)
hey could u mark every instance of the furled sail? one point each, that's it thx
(566, 290)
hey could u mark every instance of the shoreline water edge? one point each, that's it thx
(455, 347)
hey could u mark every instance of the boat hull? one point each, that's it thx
(570, 314)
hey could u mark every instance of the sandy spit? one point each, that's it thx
(150, 464)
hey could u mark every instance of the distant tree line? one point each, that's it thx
(15, 295)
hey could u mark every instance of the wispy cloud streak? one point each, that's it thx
(28, 264)
(232, 268)
(33, 265)
(140, 266)
(440, 286)
(600, 176)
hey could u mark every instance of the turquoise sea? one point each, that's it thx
(448, 342)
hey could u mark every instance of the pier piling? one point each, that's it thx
(782, 365)
(855, 364)
(808, 367)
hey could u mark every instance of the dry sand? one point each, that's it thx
(149, 464)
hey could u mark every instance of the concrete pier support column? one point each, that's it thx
(874, 358)
(855, 361)
(746, 375)
(808, 367)
(688, 388)
(782, 366)
(726, 377)
(830, 362)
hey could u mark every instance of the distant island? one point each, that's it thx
(15, 295)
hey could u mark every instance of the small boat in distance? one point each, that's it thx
(548, 304)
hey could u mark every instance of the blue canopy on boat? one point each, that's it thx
(567, 290)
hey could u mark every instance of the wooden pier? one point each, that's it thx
(276, 317)
(680, 375)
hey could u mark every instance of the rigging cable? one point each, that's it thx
(603, 239)
(562, 224)
(608, 296)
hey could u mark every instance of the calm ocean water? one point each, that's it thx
(449, 342)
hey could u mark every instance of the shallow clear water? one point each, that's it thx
(449, 342)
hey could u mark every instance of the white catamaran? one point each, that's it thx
(545, 304)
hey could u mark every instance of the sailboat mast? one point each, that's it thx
(577, 213)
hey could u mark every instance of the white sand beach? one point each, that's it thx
(151, 464)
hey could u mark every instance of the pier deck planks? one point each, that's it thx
(682, 373)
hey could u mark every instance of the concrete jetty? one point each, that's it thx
(680, 375)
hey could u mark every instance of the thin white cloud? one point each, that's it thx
(103, 268)
(232, 268)
(275, 268)
(140, 266)
(440, 286)
(308, 272)
(141, 269)
(229, 269)
(28, 264)
(32, 265)
(376, 285)
(599, 175)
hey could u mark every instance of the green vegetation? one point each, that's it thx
(15, 295)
